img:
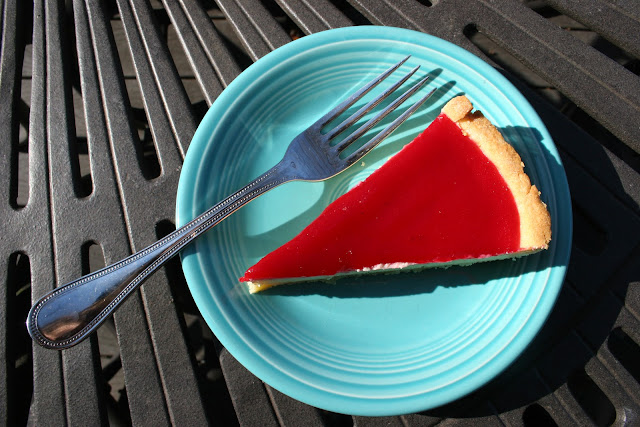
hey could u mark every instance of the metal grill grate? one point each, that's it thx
(100, 100)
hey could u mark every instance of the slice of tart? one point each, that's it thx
(457, 194)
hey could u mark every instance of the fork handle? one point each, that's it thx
(70, 313)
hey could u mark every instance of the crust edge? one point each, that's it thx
(535, 221)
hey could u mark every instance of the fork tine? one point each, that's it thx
(384, 113)
(369, 145)
(356, 96)
(371, 105)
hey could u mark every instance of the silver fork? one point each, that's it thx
(68, 314)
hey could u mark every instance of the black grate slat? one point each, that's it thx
(292, 412)
(314, 16)
(382, 12)
(165, 99)
(618, 225)
(9, 91)
(10, 69)
(378, 421)
(628, 319)
(248, 394)
(598, 15)
(219, 56)
(259, 32)
(580, 72)
(569, 390)
(97, 217)
(535, 414)
(420, 419)
(626, 369)
(212, 63)
(143, 386)
(82, 385)
(172, 125)
(204, 71)
(446, 19)
(550, 405)
(48, 387)
(606, 381)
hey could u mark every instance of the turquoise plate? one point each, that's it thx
(377, 345)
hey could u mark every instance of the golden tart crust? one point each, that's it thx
(535, 221)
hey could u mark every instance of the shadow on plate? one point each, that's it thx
(408, 283)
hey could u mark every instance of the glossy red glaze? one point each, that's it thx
(439, 199)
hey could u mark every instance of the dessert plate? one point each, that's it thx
(372, 345)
